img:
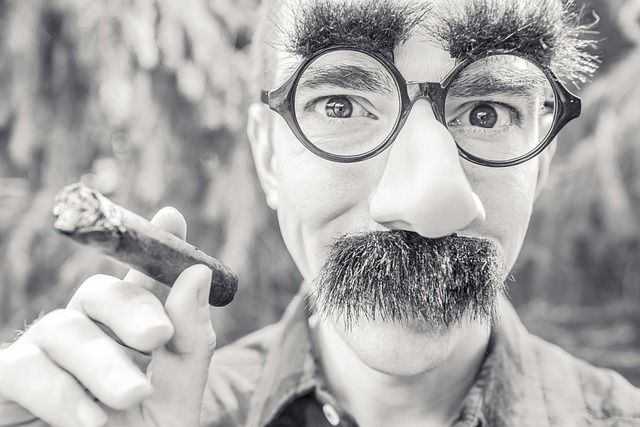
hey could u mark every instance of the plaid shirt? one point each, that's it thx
(269, 378)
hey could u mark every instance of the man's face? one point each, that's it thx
(418, 184)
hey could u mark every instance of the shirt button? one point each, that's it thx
(331, 414)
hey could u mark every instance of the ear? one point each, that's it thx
(544, 164)
(263, 154)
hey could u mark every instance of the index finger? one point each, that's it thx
(171, 220)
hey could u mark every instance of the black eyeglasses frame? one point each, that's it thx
(281, 99)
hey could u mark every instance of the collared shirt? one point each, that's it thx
(270, 378)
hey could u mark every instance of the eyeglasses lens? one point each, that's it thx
(346, 102)
(500, 107)
(497, 108)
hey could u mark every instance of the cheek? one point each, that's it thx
(507, 195)
(318, 200)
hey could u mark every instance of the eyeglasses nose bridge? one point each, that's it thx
(429, 91)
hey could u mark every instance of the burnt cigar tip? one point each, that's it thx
(79, 209)
(89, 218)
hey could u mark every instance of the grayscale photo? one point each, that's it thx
(316, 213)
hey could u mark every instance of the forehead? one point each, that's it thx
(460, 27)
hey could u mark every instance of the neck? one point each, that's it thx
(412, 379)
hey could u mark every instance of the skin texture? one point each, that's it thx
(46, 371)
(145, 353)
(318, 201)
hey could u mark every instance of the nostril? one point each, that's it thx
(433, 210)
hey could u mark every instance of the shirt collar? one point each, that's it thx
(289, 369)
(510, 380)
(508, 389)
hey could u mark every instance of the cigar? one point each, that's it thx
(89, 218)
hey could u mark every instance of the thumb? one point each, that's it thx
(188, 308)
(179, 369)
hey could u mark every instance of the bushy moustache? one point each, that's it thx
(400, 276)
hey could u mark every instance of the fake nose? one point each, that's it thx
(423, 187)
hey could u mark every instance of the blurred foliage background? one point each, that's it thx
(146, 99)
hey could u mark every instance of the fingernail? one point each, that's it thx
(90, 415)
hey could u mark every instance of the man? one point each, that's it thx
(403, 144)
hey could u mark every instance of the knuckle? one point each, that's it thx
(8, 358)
(210, 343)
(139, 297)
(98, 279)
(88, 284)
(14, 360)
(47, 325)
(60, 387)
(39, 386)
(92, 286)
(56, 320)
(210, 349)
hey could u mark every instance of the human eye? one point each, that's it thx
(485, 116)
(341, 107)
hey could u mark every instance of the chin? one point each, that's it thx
(399, 349)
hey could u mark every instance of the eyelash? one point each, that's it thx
(515, 114)
(310, 105)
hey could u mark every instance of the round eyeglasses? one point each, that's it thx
(348, 105)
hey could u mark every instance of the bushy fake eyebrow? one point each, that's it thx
(547, 30)
(529, 27)
(347, 77)
(370, 25)
(474, 28)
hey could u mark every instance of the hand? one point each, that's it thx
(116, 355)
